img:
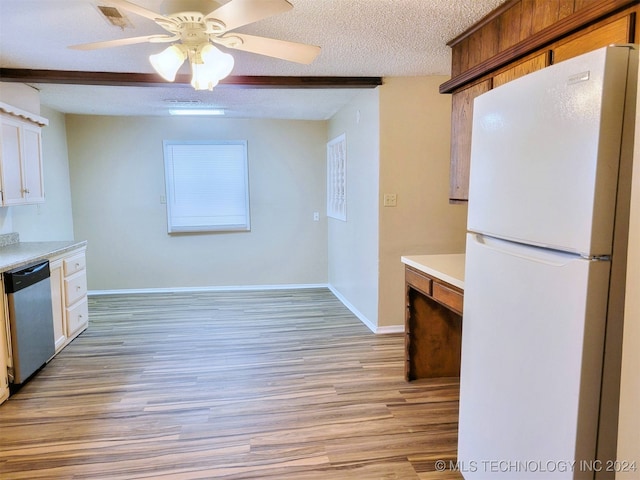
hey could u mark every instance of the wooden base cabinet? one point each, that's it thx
(433, 327)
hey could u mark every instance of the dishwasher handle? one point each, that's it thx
(23, 277)
(32, 270)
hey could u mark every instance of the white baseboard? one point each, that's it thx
(370, 325)
(232, 288)
(390, 329)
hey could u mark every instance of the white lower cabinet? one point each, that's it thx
(69, 295)
(68, 301)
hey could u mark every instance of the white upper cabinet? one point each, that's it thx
(21, 174)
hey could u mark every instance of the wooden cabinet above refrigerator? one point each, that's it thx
(517, 38)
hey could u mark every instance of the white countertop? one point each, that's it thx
(24, 253)
(447, 267)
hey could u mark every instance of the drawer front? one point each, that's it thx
(418, 281)
(75, 287)
(77, 317)
(447, 296)
(74, 264)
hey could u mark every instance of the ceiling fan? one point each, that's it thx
(192, 34)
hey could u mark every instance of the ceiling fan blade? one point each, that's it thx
(291, 51)
(125, 41)
(242, 12)
(138, 10)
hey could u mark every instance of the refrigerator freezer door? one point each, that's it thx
(532, 345)
(544, 148)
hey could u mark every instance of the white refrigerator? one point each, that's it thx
(544, 277)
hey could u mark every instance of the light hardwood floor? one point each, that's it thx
(283, 384)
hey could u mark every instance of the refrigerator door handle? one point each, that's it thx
(552, 258)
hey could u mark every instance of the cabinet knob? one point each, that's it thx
(78, 288)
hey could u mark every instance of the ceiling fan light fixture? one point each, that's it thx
(201, 79)
(210, 66)
(168, 62)
(185, 23)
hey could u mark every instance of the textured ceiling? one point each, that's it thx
(357, 37)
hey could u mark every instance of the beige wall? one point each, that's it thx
(415, 126)
(116, 166)
(353, 244)
(410, 159)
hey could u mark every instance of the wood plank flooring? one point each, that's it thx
(283, 384)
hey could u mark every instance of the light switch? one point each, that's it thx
(390, 200)
(316, 216)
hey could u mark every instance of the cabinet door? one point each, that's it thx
(77, 317)
(11, 170)
(57, 300)
(32, 164)
(530, 65)
(461, 121)
(75, 287)
(617, 31)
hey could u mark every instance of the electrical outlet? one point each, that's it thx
(390, 200)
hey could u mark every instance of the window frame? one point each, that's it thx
(174, 227)
(337, 178)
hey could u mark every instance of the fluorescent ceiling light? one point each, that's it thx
(196, 111)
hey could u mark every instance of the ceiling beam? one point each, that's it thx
(119, 79)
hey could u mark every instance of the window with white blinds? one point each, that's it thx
(207, 186)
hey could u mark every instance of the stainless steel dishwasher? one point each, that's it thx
(28, 292)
